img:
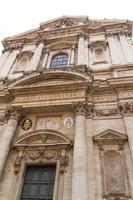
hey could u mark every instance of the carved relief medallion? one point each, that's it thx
(68, 122)
(27, 124)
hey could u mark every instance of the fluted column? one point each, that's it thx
(125, 47)
(79, 174)
(81, 50)
(36, 57)
(44, 64)
(113, 49)
(13, 115)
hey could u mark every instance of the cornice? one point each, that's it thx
(87, 28)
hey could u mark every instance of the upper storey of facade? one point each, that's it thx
(103, 47)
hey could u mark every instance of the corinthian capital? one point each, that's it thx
(82, 108)
(15, 112)
(79, 108)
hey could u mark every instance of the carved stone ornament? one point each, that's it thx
(15, 112)
(98, 44)
(27, 124)
(68, 122)
(83, 108)
(106, 112)
(126, 108)
(65, 23)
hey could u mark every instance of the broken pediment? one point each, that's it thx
(42, 138)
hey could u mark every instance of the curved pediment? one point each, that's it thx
(49, 76)
(40, 138)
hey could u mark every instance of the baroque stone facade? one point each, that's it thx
(66, 111)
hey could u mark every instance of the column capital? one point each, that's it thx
(83, 108)
(15, 112)
(79, 108)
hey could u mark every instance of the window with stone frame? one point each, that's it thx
(23, 60)
(59, 60)
(38, 183)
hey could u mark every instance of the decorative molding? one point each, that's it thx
(106, 112)
(110, 137)
(126, 108)
(98, 44)
(15, 112)
(113, 33)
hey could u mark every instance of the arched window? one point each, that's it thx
(59, 60)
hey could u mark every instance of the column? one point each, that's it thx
(91, 166)
(72, 60)
(126, 48)
(79, 174)
(86, 53)
(81, 50)
(9, 63)
(13, 115)
(44, 64)
(113, 49)
(36, 57)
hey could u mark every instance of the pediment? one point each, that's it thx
(61, 45)
(64, 22)
(42, 138)
(110, 135)
(49, 77)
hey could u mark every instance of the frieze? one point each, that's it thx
(49, 97)
(125, 95)
(106, 112)
(99, 99)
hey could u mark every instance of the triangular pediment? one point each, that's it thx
(110, 135)
(64, 22)
(42, 138)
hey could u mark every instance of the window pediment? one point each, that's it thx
(110, 137)
(42, 138)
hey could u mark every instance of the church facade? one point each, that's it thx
(66, 111)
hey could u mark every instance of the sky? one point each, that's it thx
(18, 16)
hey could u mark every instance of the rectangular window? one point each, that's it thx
(38, 183)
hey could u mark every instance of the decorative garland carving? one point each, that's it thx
(42, 156)
(126, 108)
